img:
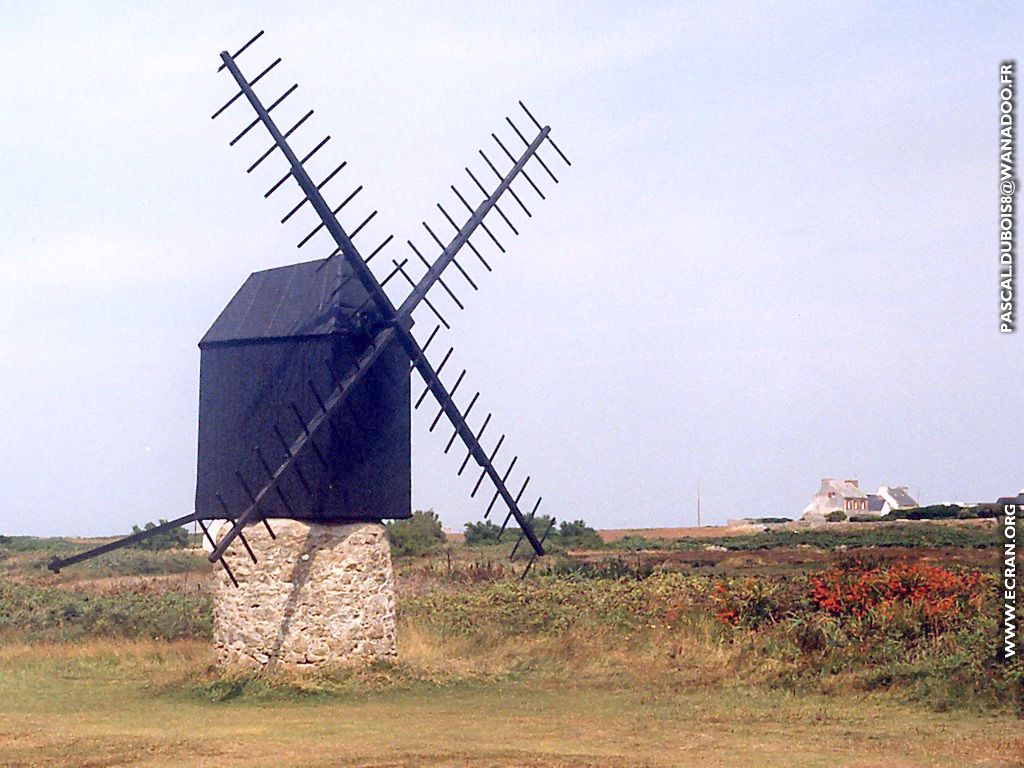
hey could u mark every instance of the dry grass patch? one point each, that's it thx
(583, 713)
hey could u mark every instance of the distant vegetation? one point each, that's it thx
(574, 534)
(29, 554)
(941, 512)
(51, 614)
(18, 544)
(894, 535)
(416, 535)
(175, 538)
(485, 533)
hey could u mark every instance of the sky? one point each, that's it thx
(773, 260)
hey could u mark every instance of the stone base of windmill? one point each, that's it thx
(319, 597)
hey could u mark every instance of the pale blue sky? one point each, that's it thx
(773, 259)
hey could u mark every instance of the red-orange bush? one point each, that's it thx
(940, 594)
(928, 597)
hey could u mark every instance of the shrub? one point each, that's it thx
(175, 538)
(867, 599)
(835, 516)
(915, 627)
(929, 597)
(416, 535)
(752, 602)
(483, 533)
(864, 518)
(767, 520)
(575, 535)
(934, 512)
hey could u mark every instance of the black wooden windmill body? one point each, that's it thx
(305, 376)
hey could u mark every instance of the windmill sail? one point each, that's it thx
(336, 308)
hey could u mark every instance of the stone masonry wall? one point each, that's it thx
(320, 596)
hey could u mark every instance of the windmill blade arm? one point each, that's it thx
(312, 193)
(433, 274)
(437, 389)
(57, 563)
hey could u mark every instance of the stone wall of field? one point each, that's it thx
(319, 596)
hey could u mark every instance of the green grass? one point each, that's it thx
(52, 614)
(12, 544)
(149, 703)
(26, 558)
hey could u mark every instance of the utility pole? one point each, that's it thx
(698, 503)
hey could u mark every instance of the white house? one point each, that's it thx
(837, 496)
(895, 497)
(847, 497)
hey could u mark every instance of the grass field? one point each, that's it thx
(154, 704)
(614, 659)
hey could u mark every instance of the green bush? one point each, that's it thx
(835, 516)
(569, 534)
(175, 538)
(416, 535)
(918, 629)
(938, 512)
(575, 534)
(483, 533)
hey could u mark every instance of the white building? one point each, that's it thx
(895, 497)
(847, 497)
(837, 496)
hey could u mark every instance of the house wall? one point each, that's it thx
(829, 498)
(823, 503)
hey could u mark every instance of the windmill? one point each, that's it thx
(305, 379)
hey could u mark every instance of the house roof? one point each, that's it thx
(875, 503)
(898, 494)
(847, 489)
(1018, 499)
(287, 302)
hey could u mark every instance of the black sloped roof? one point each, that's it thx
(289, 302)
